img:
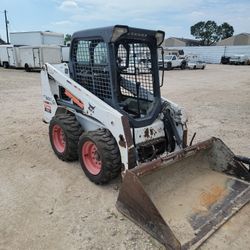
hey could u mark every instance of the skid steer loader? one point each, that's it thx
(105, 109)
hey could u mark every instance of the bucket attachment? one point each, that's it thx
(183, 198)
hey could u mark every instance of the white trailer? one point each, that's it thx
(9, 56)
(65, 53)
(34, 57)
(36, 38)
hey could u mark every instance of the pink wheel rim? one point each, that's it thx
(58, 138)
(91, 158)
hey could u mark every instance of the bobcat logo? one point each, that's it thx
(91, 108)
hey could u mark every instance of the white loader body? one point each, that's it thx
(96, 113)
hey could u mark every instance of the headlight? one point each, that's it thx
(159, 37)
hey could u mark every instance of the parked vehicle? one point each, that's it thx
(65, 53)
(171, 62)
(238, 59)
(196, 65)
(9, 56)
(225, 60)
(34, 57)
(36, 38)
(178, 52)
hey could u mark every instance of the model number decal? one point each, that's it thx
(47, 107)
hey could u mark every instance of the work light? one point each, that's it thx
(159, 35)
(118, 31)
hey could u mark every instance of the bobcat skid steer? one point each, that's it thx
(105, 109)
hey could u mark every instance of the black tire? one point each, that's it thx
(6, 65)
(203, 67)
(169, 66)
(183, 65)
(27, 68)
(107, 152)
(71, 130)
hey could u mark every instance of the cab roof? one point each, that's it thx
(106, 33)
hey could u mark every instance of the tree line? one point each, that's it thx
(209, 32)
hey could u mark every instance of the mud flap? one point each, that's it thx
(182, 199)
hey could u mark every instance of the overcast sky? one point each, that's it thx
(173, 16)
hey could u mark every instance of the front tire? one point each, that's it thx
(64, 133)
(27, 68)
(99, 156)
(183, 65)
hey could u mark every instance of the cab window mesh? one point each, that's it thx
(135, 76)
(90, 58)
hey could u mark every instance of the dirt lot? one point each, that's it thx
(49, 204)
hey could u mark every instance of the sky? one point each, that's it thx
(173, 16)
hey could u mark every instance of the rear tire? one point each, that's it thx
(64, 133)
(99, 156)
(27, 68)
(6, 65)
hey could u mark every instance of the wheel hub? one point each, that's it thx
(58, 138)
(91, 158)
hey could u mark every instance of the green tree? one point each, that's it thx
(67, 38)
(209, 32)
(205, 31)
(225, 30)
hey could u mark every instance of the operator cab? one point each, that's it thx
(119, 64)
(134, 77)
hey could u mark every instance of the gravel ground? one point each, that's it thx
(49, 204)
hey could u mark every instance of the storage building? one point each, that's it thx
(180, 42)
(240, 39)
(213, 54)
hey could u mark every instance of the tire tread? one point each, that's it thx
(111, 162)
(72, 130)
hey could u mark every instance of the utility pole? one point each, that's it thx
(6, 25)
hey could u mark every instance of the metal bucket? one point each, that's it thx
(182, 199)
